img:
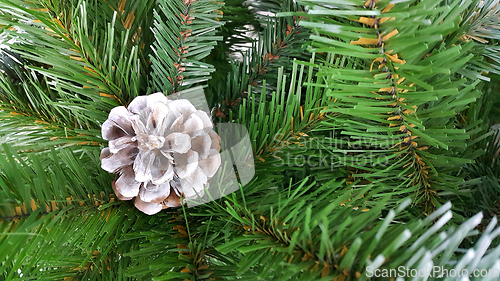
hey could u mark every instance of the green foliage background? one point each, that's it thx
(403, 94)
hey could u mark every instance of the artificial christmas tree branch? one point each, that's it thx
(418, 163)
(68, 233)
(67, 56)
(185, 34)
(67, 184)
(388, 92)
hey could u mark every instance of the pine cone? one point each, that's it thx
(161, 149)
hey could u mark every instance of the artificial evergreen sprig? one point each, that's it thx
(185, 33)
(75, 70)
(398, 103)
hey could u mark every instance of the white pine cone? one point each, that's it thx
(161, 149)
